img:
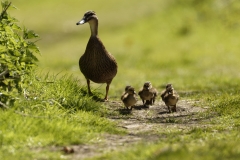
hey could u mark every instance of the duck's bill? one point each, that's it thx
(81, 22)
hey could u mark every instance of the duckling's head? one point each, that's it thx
(147, 85)
(131, 90)
(88, 16)
(127, 87)
(169, 87)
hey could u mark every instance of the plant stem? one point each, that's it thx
(5, 10)
(4, 105)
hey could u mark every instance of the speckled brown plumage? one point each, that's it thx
(148, 94)
(96, 64)
(170, 97)
(129, 98)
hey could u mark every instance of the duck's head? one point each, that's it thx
(147, 85)
(89, 15)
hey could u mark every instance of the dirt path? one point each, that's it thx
(141, 125)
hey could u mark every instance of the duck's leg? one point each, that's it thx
(174, 108)
(169, 109)
(107, 88)
(153, 100)
(88, 85)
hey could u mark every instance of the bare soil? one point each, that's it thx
(141, 123)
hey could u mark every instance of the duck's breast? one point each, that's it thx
(96, 63)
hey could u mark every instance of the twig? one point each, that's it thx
(5, 10)
(4, 105)
(2, 75)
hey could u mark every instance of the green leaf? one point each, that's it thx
(3, 48)
(8, 30)
(29, 34)
(4, 4)
(16, 52)
(16, 27)
(32, 46)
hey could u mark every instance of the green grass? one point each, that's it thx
(192, 44)
(216, 137)
(51, 113)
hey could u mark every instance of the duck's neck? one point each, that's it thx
(94, 27)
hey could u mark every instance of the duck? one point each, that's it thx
(170, 97)
(129, 98)
(148, 94)
(96, 64)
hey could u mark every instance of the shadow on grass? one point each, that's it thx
(163, 112)
(129, 111)
(94, 96)
(125, 111)
(140, 107)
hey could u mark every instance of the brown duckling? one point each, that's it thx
(126, 90)
(129, 98)
(170, 97)
(96, 64)
(148, 94)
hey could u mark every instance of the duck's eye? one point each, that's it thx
(89, 14)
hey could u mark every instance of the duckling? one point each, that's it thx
(129, 97)
(170, 97)
(148, 94)
(96, 64)
(125, 90)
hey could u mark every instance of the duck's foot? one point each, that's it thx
(171, 111)
(104, 100)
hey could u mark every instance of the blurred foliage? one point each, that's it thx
(16, 56)
(227, 11)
